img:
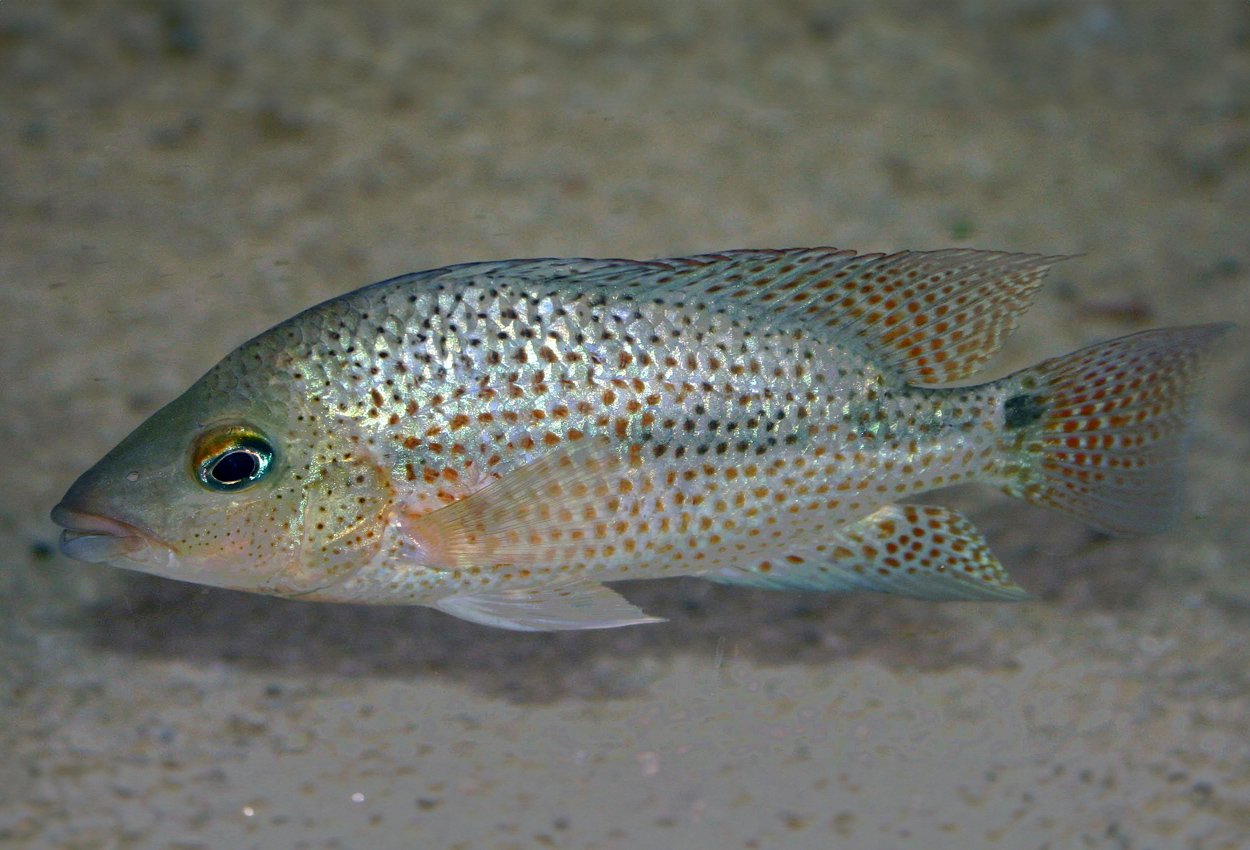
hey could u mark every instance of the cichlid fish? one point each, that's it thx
(496, 440)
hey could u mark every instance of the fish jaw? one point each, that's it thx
(99, 539)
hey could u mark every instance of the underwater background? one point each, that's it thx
(176, 177)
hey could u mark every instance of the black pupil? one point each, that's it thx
(234, 467)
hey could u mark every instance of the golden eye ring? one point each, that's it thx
(231, 459)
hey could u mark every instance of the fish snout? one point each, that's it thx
(99, 539)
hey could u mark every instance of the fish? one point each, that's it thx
(496, 440)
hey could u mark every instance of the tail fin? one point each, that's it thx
(1100, 433)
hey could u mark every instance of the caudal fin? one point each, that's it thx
(1100, 433)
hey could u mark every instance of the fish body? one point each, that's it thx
(498, 439)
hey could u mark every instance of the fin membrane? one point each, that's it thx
(560, 508)
(920, 551)
(573, 604)
(1099, 434)
(930, 317)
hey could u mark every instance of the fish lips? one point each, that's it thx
(103, 540)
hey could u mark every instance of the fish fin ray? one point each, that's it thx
(933, 317)
(561, 508)
(921, 551)
(554, 606)
(1099, 434)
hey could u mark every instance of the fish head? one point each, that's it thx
(238, 483)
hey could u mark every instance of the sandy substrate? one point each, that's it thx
(175, 177)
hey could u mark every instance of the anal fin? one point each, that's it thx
(574, 604)
(921, 551)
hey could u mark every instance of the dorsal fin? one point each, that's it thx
(930, 317)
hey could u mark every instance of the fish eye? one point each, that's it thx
(231, 459)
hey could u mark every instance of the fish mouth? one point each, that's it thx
(100, 539)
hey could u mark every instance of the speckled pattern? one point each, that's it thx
(178, 178)
(1107, 416)
(520, 426)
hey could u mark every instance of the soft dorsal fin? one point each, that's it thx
(930, 317)
(933, 317)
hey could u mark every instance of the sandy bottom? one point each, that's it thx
(177, 176)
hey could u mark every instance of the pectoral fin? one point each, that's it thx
(573, 604)
(558, 509)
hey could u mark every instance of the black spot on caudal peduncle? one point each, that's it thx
(1023, 410)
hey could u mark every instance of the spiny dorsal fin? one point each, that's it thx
(921, 551)
(931, 317)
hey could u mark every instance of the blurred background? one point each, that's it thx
(176, 177)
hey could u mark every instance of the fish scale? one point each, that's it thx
(695, 384)
(497, 439)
